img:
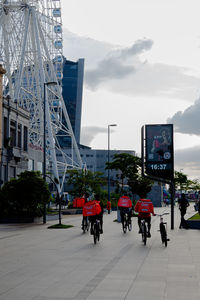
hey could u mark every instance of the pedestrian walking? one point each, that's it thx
(183, 204)
(108, 206)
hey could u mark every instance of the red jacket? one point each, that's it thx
(91, 208)
(124, 201)
(144, 207)
(108, 205)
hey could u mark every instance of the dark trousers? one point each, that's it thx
(183, 223)
(99, 217)
(122, 213)
(147, 219)
(84, 218)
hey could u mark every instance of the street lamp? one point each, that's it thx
(111, 125)
(44, 139)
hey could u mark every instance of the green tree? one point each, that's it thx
(140, 185)
(24, 196)
(194, 185)
(85, 181)
(130, 169)
(127, 164)
(181, 180)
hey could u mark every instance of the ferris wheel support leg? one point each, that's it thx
(20, 71)
(7, 62)
(49, 127)
(74, 143)
(36, 70)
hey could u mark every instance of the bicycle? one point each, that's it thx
(96, 231)
(143, 228)
(85, 225)
(163, 229)
(126, 223)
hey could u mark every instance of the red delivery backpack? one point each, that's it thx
(145, 206)
(78, 202)
(124, 201)
(91, 208)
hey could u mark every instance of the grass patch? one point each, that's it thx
(60, 226)
(195, 217)
(52, 213)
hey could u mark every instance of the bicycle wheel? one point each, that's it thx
(144, 234)
(125, 224)
(88, 225)
(95, 233)
(84, 225)
(163, 234)
(98, 232)
(130, 225)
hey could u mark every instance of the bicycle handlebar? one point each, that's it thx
(162, 214)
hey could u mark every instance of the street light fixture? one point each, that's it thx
(111, 125)
(44, 138)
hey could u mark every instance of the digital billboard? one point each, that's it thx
(159, 154)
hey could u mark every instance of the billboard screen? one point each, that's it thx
(159, 151)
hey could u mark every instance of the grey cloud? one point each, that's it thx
(158, 80)
(138, 47)
(76, 47)
(107, 64)
(188, 160)
(107, 69)
(114, 66)
(188, 120)
(88, 133)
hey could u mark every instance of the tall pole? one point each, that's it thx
(44, 148)
(108, 163)
(111, 125)
(172, 202)
(172, 186)
(44, 142)
(2, 72)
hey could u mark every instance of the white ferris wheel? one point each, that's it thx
(31, 53)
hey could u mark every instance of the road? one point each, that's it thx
(37, 263)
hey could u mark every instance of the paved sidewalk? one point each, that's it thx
(37, 263)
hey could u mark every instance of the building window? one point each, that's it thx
(30, 165)
(4, 173)
(25, 138)
(19, 135)
(39, 166)
(12, 172)
(5, 131)
(89, 155)
(13, 133)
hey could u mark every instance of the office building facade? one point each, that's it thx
(72, 90)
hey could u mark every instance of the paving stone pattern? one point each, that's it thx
(37, 263)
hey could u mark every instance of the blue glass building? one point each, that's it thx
(72, 89)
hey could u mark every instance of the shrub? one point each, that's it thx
(24, 196)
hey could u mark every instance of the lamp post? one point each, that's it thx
(44, 139)
(111, 125)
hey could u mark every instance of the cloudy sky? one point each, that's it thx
(142, 66)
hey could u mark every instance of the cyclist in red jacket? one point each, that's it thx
(125, 206)
(145, 208)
